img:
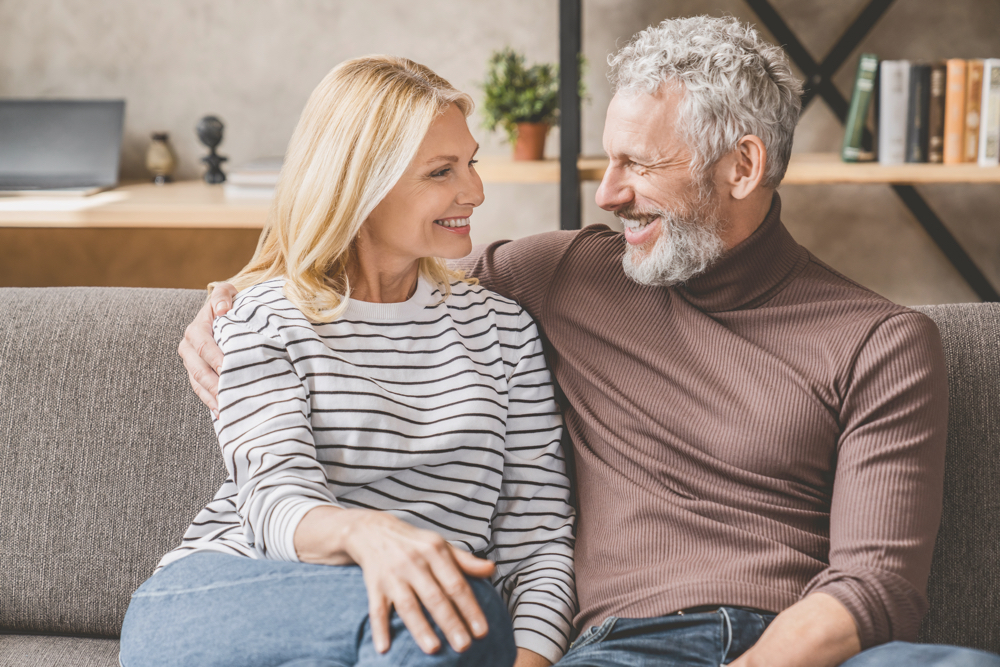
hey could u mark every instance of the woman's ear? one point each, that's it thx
(746, 167)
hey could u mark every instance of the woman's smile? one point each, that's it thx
(454, 225)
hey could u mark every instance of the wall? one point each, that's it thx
(254, 64)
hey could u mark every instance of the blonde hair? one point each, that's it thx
(358, 133)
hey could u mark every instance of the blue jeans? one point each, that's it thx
(211, 609)
(718, 638)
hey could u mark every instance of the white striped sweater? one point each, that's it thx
(440, 412)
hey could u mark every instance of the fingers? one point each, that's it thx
(378, 619)
(222, 298)
(204, 381)
(452, 581)
(412, 614)
(473, 566)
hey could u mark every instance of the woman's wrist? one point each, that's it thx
(324, 535)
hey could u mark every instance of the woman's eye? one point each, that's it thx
(473, 163)
(441, 172)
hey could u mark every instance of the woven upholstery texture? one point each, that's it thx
(40, 651)
(105, 452)
(964, 587)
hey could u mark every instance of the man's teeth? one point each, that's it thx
(635, 225)
(454, 222)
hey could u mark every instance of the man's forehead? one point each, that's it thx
(642, 123)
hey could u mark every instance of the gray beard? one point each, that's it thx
(687, 246)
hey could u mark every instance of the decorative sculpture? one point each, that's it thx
(209, 131)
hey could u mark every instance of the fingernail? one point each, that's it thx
(218, 370)
(381, 646)
(478, 629)
(215, 413)
(459, 641)
(430, 643)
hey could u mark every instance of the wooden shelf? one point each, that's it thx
(193, 204)
(803, 169)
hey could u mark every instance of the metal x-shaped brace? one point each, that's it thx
(819, 82)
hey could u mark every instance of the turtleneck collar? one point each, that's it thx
(751, 272)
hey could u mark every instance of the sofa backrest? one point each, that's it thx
(105, 453)
(965, 575)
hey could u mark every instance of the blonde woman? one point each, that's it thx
(396, 485)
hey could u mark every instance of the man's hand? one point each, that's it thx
(202, 357)
(816, 631)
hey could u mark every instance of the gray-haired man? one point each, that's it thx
(758, 440)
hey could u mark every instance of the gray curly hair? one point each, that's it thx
(735, 84)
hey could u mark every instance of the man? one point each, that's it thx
(758, 441)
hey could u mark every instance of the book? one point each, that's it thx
(973, 99)
(864, 83)
(954, 111)
(917, 107)
(894, 78)
(989, 115)
(935, 114)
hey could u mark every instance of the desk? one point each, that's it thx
(188, 234)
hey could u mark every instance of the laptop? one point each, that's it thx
(59, 146)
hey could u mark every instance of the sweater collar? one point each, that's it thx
(750, 273)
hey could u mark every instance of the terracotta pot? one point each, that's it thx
(530, 141)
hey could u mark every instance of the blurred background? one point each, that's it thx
(254, 64)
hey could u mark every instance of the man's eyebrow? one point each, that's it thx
(450, 158)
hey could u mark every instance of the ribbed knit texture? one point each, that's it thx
(766, 431)
(439, 411)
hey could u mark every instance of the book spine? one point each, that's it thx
(954, 112)
(989, 117)
(935, 114)
(864, 83)
(973, 100)
(917, 107)
(894, 79)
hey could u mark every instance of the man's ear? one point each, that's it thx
(745, 168)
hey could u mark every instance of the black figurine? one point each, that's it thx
(210, 133)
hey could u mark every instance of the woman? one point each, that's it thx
(376, 412)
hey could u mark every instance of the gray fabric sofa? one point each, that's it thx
(106, 455)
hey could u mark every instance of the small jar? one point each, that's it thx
(160, 159)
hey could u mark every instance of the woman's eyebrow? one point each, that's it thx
(450, 158)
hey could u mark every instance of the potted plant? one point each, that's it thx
(523, 100)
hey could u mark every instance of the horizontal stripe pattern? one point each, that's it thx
(439, 411)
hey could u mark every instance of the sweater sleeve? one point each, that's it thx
(265, 433)
(532, 527)
(888, 485)
(521, 270)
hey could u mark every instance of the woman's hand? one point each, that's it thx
(202, 357)
(403, 567)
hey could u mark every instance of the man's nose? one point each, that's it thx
(613, 193)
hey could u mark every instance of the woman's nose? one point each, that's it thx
(472, 190)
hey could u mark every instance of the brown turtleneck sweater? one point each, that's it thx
(766, 431)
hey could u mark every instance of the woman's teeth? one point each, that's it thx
(453, 222)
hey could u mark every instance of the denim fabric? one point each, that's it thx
(922, 655)
(218, 610)
(717, 638)
(693, 640)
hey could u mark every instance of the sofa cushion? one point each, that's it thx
(105, 452)
(42, 651)
(965, 576)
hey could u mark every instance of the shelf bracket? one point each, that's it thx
(819, 82)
